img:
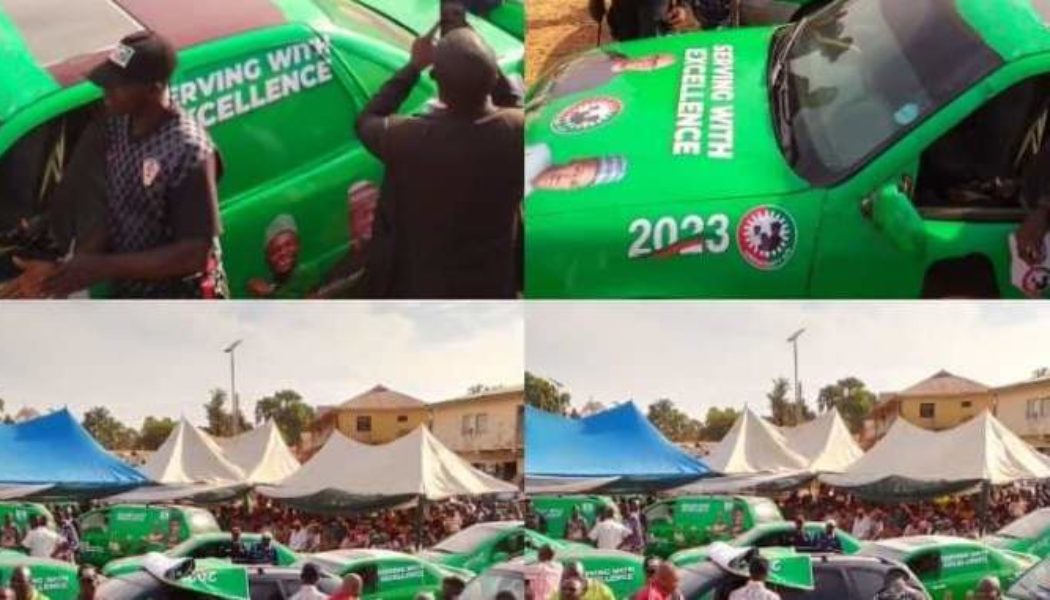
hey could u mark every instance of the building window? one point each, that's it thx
(926, 410)
(402, 418)
(468, 425)
(364, 424)
(1029, 410)
(967, 404)
(481, 423)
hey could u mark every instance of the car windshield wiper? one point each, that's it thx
(780, 88)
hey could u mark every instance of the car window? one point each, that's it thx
(268, 589)
(370, 576)
(830, 585)
(867, 581)
(253, 105)
(214, 549)
(926, 565)
(513, 544)
(93, 521)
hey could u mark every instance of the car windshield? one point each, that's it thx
(468, 540)
(882, 551)
(859, 75)
(1027, 527)
(1033, 585)
(489, 585)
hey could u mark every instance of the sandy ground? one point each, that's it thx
(557, 29)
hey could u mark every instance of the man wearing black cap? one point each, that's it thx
(160, 239)
(448, 212)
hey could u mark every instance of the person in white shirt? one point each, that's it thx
(609, 534)
(309, 577)
(755, 588)
(300, 538)
(862, 526)
(544, 575)
(41, 541)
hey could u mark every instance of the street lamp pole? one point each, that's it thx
(794, 350)
(234, 402)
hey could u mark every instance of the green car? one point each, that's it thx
(510, 17)
(767, 535)
(419, 16)
(389, 575)
(1029, 534)
(130, 529)
(1034, 584)
(690, 521)
(297, 194)
(23, 514)
(623, 572)
(557, 510)
(53, 578)
(841, 157)
(203, 545)
(480, 546)
(949, 567)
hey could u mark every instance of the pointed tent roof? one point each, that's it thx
(619, 442)
(912, 461)
(754, 445)
(38, 452)
(825, 443)
(346, 473)
(260, 453)
(190, 456)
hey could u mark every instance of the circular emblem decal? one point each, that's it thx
(766, 237)
(586, 114)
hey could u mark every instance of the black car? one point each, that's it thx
(264, 583)
(836, 577)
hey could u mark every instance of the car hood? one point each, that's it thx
(120, 566)
(692, 120)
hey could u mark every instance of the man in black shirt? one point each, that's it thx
(160, 238)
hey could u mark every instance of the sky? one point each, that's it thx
(727, 353)
(162, 359)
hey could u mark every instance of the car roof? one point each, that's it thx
(1014, 28)
(356, 554)
(921, 542)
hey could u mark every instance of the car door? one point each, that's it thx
(879, 239)
(400, 579)
(285, 175)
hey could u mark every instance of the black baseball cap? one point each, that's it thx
(142, 57)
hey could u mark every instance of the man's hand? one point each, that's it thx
(1031, 236)
(78, 273)
(423, 50)
(260, 288)
(31, 283)
(597, 9)
(678, 18)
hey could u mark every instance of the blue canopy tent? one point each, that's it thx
(616, 450)
(55, 451)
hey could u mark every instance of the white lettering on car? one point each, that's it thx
(670, 236)
(706, 115)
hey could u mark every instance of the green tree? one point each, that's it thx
(672, 422)
(1039, 373)
(545, 394)
(288, 411)
(780, 407)
(220, 420)
(718, 422)
(851, 398)
(108, 430)
(154, 431)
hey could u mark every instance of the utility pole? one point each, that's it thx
(234, 402)
(793, 340)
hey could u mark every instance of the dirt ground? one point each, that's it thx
(557, 29)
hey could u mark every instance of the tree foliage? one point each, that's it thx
(220, 420)
(672, 422)
(154, 431)
(108, 430)
(718, 422)
(545, 394)
(288, 410)
(784, 411)
(851, 398)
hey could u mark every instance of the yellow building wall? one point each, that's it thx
(1025, 409)
(387, 425)
(456, 424)
(948, 411)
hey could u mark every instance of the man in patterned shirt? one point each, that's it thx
(160, 239)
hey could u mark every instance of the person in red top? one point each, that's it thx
(351, 588)
(663, 585)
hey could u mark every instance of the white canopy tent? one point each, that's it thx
(348, 475)
(190, 456)
(260, 453)
(825, 443)
(911, 462)
(754, 446)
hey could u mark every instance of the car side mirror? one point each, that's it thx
(895, 215)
